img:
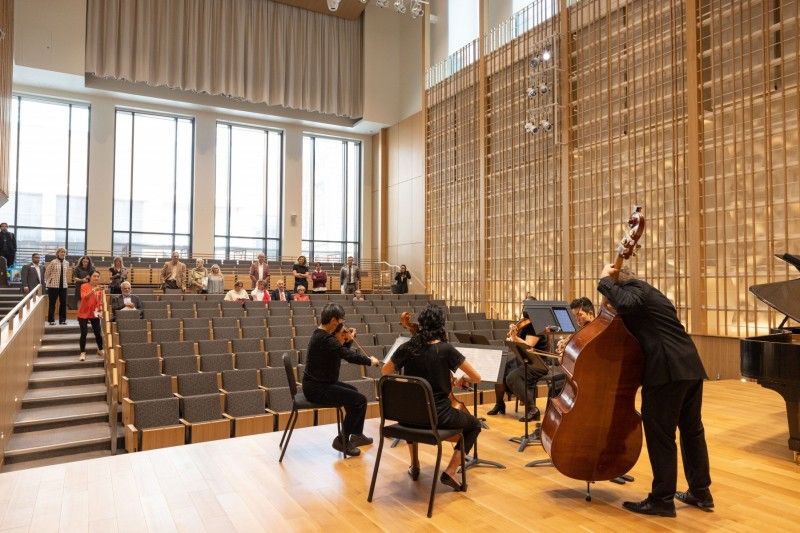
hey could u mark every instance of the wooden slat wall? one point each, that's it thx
(703, 133)
(6, 70)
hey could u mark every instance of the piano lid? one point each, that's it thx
(793, 260)
(783, 296)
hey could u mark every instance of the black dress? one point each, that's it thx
(298, 281)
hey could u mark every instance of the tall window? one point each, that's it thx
(47, 183)
(248, 198)
(331, 198)
(153, 179)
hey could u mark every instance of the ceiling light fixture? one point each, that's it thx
(333, 5)
(416, 9)
(400, 6)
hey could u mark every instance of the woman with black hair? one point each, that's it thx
(428, 355)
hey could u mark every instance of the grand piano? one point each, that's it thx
(774, 360)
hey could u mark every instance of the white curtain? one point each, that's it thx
(254, 50)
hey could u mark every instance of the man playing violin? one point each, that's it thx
(672, 392)
(428, 355)
(329, 344)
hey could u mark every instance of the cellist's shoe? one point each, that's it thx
(531, 415)
(653, 507)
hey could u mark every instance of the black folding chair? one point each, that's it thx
(409, 402)
(299, 402)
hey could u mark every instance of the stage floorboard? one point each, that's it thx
(238, 485)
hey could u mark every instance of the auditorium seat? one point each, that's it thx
(381, 327)
(142, 368)
(279, 320)
(385, 339)
(251, 360)
(202, 416)
(180, 364)
(304, 331)
(225, 322)
(274, 358)
(154, 424)
(152, 305)
(349, 372)
(166, 335)
(251, 332)
(246, 345)
(152, 314)
(246, 410)
(126, 322)
(182, 313)
(207, 304)
(177, 349)
(304, 320)
(133, 336)
(280, 331)
(272, 377)
(196, 334)
(138, 350)
(181, 304)
(302, 311)
(208, 312)
(250, 321)
(237, 311)
(189, 323)
(198, 383)
(216, 362)
(226, 333)
(215, 346)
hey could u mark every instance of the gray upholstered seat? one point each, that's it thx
(280, 331)
(234, 312)
(197, 383)
(246, 345)
(130, 321)
(182, 313)
(246, 360)
(182, 364)
(150, 388)
(245, 403)
(273, 377)
(254, 332)
(196, 334)
(239, 380)
(133, 336)
(365, 386)
(166, 335)
(274, 344)
(139, 350)
(250, 321)
(175, 349)
(381, 327)
(201, 408)
(156, 413)
(226, 333)
(216, 362)
(215, 346)
(385, 339)
(279, 399)
(150, 314)
(143, 368)
(304, 330)
(349, 372)
(225, 322)
(190, 323)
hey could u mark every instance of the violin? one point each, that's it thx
(413, 328)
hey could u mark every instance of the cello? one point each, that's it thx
(591, 430)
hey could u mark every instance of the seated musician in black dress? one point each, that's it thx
(428, 355)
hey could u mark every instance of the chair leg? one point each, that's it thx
(293, 421)
(435, 477)
(463, 467)
(286, 429)
(375, 469)
(339, 431)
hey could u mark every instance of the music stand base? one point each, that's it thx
(523, 441)
(539, 462)
(474, 461)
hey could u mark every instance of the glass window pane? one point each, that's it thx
(245, 248)
(153, 192)
(157, 193)
(122, 171)
(248, 181)
(328, 185)
(221, 197)
(308, 186)
(183, 176)
(274, 200)
(273, 249)
(219, 246)
(77, 241)
(353, 185)
(120, 244)
(78, 166)
(43, 164)
(48, 167)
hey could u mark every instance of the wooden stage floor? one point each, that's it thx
(238, 485)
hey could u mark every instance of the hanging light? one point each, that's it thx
(531, 127)
(535, 60)
(381, 3)
(543, 88)
(333, 5)
(416, 9)
(546, 125)
(400, 6)
(532, 92)
(546, 55)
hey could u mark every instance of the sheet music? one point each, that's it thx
(488, 361)
(398, 342)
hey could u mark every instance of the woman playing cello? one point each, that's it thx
(428, 355)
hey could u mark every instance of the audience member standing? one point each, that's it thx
(81, 274)
(119, 273)
(32, 274)
(259, 270)
(319, 279)
(8, 244)
(349, 276)
(173, 275)
(198, 277)
(56, 280)
(91, 304)
(401, 279)
(216, 281)
(300, 273)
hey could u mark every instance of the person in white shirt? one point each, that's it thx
(237, 294)
(258, 293)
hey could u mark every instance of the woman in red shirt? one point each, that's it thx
(89, 312)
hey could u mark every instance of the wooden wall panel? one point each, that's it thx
(6, 71)
(690, 109)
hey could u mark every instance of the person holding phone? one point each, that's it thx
(91, 305)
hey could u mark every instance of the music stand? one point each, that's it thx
(485, 361)
(525, 440)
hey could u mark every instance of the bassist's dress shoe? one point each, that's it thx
(652, 507)
(498, 409)
(413, 471)
(359, 440)
(351, 450)
(531, 415)
(703, 501)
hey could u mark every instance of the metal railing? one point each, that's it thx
(18, 312)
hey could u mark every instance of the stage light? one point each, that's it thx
(333, 5)
(546, 55)
(531, 92)
(400, 6)
(543, 88)
(531, 127)
(534, 62)
(381, 3)
(416, 9)
(546, 125)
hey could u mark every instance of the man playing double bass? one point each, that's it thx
(672, 392)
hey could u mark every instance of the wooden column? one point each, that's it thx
(383, 194)
(694, 171)
(482, 133)
(6, 71)
(565, 127)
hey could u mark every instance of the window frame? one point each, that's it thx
(16, 99)
(130, 231)
(281, 184)
(357, 244)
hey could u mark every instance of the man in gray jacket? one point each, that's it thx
(32, 274)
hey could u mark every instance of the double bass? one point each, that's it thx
(592, 430)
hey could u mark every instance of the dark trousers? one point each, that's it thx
(515, 380)
(336, 394)
(665, 408)
(350, 288)
(450, 418)
(52, 295)
(98, 335)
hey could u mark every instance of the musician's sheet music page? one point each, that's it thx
(486, 361)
